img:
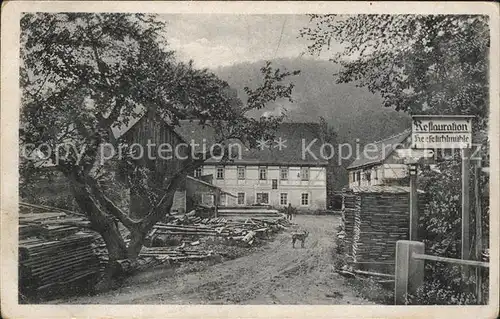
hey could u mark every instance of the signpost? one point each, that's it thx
(441, 131)
(413, 170)
(412, 158)
(448, 132)
(479, 231)
(414, 155)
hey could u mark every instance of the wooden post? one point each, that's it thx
(216, 203)
(465, 203)
(413, 202)
(479, 231)
(409, 274)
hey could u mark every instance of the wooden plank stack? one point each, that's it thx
(374, 219)
(50, 266)
(55, 256)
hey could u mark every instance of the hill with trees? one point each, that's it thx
(353, 112)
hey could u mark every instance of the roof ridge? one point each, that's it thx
(408, 130)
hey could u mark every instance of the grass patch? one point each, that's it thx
(370, 289)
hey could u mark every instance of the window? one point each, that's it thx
(241, 198)
(376, 174)
(304, 173)
(284, 173)
(275, 184)
(222, 200)
(353, 176)
(262, 198)
(220, 172)
(262, 173)
(241, 172)
(368, 175)
(283, 199)
(198, 172)
(207, 199)
(304, 200)
(358, 176)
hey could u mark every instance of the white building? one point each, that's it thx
(277, 174)
(378, 163)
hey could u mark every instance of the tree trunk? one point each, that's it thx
(114, 241)
(136, 242)
(101, 222)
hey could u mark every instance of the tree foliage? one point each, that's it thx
(436, 64)
(85, 74)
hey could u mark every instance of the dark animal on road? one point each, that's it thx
(299, 236)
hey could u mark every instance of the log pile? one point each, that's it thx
(52, 265)
(177, 254)
(58, 250)
(237, 231)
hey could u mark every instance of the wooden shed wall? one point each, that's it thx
(153, 130)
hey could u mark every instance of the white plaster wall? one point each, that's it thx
(293, 186)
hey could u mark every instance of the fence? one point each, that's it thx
(409, 273)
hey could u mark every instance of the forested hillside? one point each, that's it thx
(353, 112)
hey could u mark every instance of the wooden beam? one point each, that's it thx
(413, 202)
(409, 272)
(465, 203)
(479, 231)
(462, 262)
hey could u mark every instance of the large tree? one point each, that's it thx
(83, 74)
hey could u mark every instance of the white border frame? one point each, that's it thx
(9, 119)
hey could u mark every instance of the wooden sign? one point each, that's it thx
(414, 153)
(441, 131)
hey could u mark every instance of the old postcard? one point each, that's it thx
(249, 159)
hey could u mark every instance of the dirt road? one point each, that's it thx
(274, 274)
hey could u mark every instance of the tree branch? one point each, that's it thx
(111, 207)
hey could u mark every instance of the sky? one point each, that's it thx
(214, 40)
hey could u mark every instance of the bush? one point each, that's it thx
(440, 229)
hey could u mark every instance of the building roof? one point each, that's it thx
(393, 189)
(195, 180)
(380, 150)
(293, 137)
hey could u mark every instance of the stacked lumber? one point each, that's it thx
(48, 222)
(374, 219)
(178, 254)
(55, 256)
(352, 206)
(248, 212)
(229, 229)
(218, 220)
(153, 256)
(49, 265)
(100, 251)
